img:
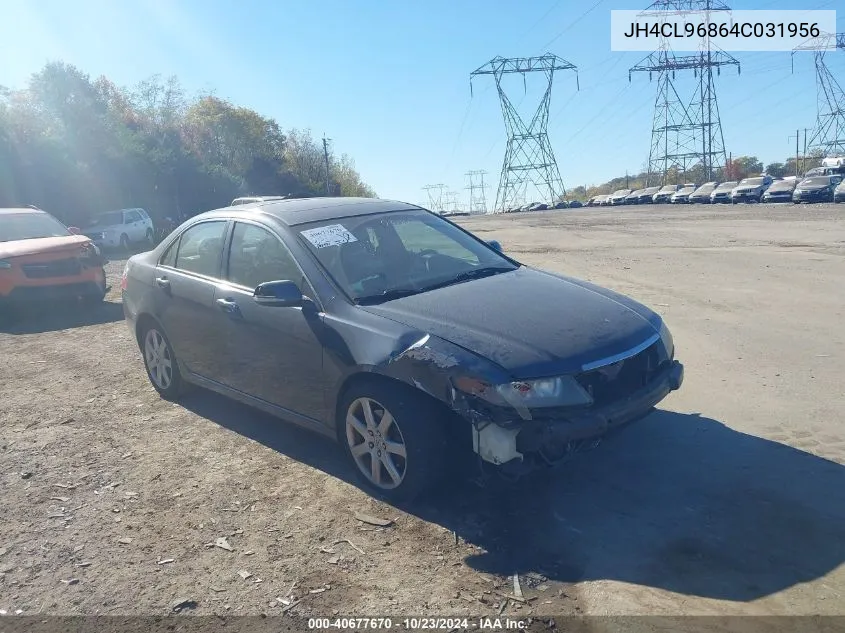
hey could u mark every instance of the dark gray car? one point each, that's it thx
(396, 332)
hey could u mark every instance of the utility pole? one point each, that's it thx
(804, 155)
(797, 136)
(626, 180)
(326, 154)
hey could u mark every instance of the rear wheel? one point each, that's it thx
(124, 242)
(150, 237)
(160, 363)
(395, 439)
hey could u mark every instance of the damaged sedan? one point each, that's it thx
(396, 332)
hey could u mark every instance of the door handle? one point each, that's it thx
(163, 282)
(227, 305)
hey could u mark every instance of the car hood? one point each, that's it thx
(19, 248)
(529, 322)
(745, 188)
(813, 188)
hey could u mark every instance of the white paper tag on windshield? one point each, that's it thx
(330, 235)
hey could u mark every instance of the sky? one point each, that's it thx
(388, 81)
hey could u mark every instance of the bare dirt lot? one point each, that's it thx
(730, 499)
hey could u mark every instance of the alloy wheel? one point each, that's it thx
(158, 358)
(376, 443)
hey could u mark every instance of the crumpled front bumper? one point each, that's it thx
(539, 442)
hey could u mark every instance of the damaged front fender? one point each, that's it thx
(447, 372)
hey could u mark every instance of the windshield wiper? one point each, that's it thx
(388, 295)
(466, 275)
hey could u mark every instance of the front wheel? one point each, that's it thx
(395, 439)
(160, 363)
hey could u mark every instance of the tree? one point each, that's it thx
(776, 170)
(76, 146)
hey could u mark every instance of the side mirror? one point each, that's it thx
(74, 230)
(494, 244)
(284, 294)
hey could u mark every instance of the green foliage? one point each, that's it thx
(76, 146)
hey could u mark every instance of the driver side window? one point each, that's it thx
(257, 256)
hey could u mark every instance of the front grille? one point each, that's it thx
(623, 379)
(56, 268)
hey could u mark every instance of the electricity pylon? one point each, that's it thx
(528, 155)
(477, 201)
(686, 131)
(435, 196)
(829, 133)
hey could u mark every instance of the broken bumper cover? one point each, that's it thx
(548, 441)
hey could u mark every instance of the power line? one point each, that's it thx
(572, 24)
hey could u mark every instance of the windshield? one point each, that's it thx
(30, 226)
(726, 185)
(670, 188)
(385, 256)
(621, 192)
(752, 181)
(687, 190)
(651, 190)
(815, 181)
(708, 187)
(108, 219)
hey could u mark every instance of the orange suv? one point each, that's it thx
(41, 258)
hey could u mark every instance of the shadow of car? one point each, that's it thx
(681, 503)
(36, 318)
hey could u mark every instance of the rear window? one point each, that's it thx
(30, 226)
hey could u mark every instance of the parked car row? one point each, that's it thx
(816, 187)
(542, 206)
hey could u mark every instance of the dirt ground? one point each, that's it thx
(728, 500)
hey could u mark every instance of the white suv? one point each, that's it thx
(121, 228)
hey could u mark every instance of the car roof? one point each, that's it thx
(303, 210)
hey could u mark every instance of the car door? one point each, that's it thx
(273, 352)
(134, 226)
(185, 278)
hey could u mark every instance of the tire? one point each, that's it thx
(150, 237)
(416, 429)
(124, 242)
(155, 357)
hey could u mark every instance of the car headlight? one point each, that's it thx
(558, 391)
(4, 265)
